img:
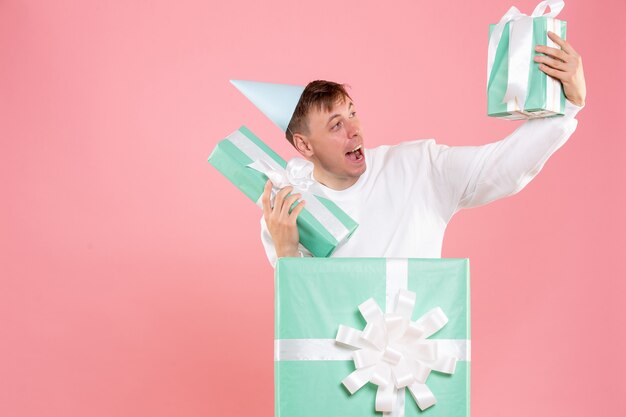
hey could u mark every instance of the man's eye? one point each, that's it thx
(337, 125)
(353, 114)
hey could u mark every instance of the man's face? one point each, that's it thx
(336, 145)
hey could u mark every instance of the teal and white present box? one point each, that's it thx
(318, 300)
(516, 87)
(247, 162)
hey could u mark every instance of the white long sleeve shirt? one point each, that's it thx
(410, 191)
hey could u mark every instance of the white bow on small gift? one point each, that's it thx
(520, 47)
(298, 173)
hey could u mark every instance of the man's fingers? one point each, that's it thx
(556, 38)
(265, 199)
(553, 52)
(280, 197)
(561, 42)
(296, 210)
(554, 63)
(289, 202)
(559, 75)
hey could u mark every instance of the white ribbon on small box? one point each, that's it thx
(520, 50)
(392, 351)
(299, 174)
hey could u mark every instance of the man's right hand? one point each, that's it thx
(280, 222)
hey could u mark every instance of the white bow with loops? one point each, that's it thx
(298, 174)
(393, 352)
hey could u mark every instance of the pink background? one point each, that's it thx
(133, 281)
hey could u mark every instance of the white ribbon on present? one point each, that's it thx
(391, 351)
(520, 49)
(394, 353)
(299, 174)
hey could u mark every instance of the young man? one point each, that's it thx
(403, 196)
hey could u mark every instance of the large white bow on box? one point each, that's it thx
(520, 48)
(393, 352)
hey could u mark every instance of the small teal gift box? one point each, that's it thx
(353, 336)
(516, 87)
(248, 163)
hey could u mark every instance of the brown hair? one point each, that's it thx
(319, 94)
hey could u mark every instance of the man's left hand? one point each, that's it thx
(566, 65)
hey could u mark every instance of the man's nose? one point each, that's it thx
(353, 128)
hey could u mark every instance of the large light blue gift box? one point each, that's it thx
(326, 308)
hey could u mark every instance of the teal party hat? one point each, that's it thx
(276, 101)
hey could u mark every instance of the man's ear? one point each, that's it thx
(302, 145)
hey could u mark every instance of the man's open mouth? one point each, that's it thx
(356, 154)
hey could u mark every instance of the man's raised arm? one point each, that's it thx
(476, 175)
